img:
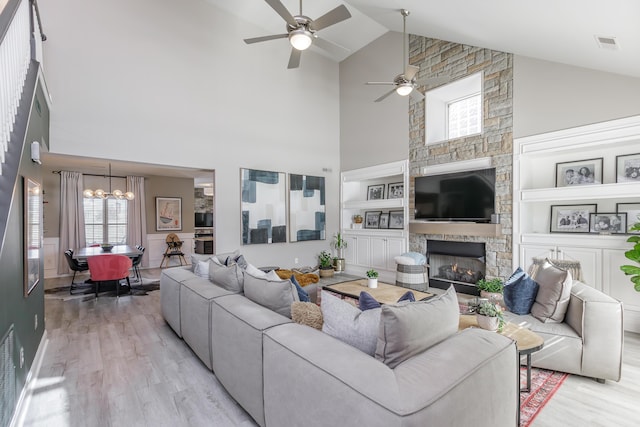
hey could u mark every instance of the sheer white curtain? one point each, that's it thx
(136, 216)
(72, 234)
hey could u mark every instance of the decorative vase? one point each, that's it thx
(326, 272)
(338, 265)
(493, 297)
(372, 283)
(488, 323)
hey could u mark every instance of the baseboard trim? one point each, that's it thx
(27, 391)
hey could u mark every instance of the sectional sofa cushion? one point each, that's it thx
(409, 329)
(276, 295)
(553, 295)
(520, 292)
(349, 324)
(229, 277)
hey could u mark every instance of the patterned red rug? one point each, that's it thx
(544, 384)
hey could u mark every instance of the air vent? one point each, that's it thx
(609, 43)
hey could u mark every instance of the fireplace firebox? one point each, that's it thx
(460, 264)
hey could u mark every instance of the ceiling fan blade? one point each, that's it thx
(265, 38)
(417, 95)
(282, 11)
(433, 81)
(379, 83)
(385, 95)
(294, 59)
(330, 46)
(334, 16)
(410, 72)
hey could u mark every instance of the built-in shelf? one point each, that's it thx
(374, 204)
(455, 228)
(600, 191)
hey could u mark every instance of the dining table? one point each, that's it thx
(86, 252)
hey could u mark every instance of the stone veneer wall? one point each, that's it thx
(441, 58)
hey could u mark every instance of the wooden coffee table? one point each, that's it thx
(384, 293)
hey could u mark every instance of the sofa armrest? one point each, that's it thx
(597, 318)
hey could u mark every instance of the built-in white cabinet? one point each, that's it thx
(374, 247)
(536, 193)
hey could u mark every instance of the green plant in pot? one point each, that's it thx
(339, 244)
(634, 255)
(491, 289)
(489, 316)
(326, 264)
(372, 278)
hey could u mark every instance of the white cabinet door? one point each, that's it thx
(350, 254)
(620, 287)
(590, 263)
(363, 251)
(528, 252)
(379, 253)
(395, 247)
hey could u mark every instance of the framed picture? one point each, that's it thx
(396, 190)
(168, 213)
(396, 219)
(571, 218)
(32, 234)
(608, 222)
(581, 172)
(372, 219)
(375, 192)
(263, 207)
(384, 220)
(628, 168)
(307, 208)
(632, 210)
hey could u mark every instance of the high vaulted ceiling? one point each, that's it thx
(560, 31)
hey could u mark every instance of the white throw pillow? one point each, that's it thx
(202, 269)
(252, 270)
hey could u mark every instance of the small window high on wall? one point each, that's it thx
(454, 110)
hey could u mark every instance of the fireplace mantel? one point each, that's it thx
(455, 228)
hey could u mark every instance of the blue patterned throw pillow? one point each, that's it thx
(302, 294)
(367, 302)
(520, 292)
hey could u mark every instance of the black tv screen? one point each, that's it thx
(458, 196)
(204, 219)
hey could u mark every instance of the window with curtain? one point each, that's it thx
(105, 221)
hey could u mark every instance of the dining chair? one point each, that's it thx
(109, 268)
(75, 266)
(136, 263)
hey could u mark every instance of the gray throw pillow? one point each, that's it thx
(277, 295)
(230, 277)
(349, 324)
(196, 258)
(409, 329)
(554, 292)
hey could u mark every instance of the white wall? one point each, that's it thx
(173, 83)
(549, 96)
(372, 133)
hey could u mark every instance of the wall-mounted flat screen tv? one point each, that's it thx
(458, 196)
(204, 219)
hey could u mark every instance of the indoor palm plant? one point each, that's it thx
(634, 255)
(372, 278)
(339, 244)
(489, 316)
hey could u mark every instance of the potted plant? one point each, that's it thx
(339, 244)
(633, 255)
(372, 278)
(491, 289)
(357, 221)
(489, 316)
(326, 264)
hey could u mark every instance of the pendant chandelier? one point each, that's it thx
(101, 194)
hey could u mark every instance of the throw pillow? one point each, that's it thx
(520, 292)
(202, 269)
(409, 329)
(230, 277)
(276, 295)
(553, 295)
(418, 258)
(367, 302)
(196, 258)
(349, 324)
(252, 270)
(302, 294)
(236, 259)
(307, 313)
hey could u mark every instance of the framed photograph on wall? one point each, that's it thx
(396, 219)
(375, 192)
(372, 219)
(571, 218)
(580, 172)
(384, 220)
(628, 168)
(608, 222)
(32, 234)
(168, 213)
(395, 190)
(632, 210)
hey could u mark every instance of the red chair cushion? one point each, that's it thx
(109, 267)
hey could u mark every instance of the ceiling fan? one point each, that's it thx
(405, 83)
(301, 30)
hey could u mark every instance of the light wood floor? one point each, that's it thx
(116, 363)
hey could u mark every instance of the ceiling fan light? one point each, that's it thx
(404, 89)
(300, 39)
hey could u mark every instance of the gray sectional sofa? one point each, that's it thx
(286, 374)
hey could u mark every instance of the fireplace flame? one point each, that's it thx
(454, 268)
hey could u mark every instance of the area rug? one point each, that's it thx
(62, 292)
(544, 384)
